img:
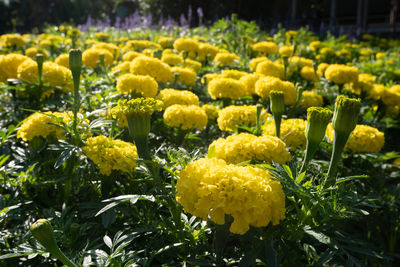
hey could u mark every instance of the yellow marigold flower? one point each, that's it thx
(244, 147)
(46, 43)
(234, 74)
(366, 52)
(291, 34)
(122, 67)
(62, 60)
(212, 188)
(148, 52)
(230, 117)
(182, 97)
(186, 44)
(12, 40)
(102, 36)
(308, 73)
(140, 45)
(380, 55)
(226, 88)
(91, 57)
(144, 85)
(301, 61)
(109, 154)
(39, 124)
(192, 64)
(211, 111)
(265, 85)
(185, 117)
(145, 106)
(33, 51)
(207, 78)
(315, 45)
(249, 82)
(321, 69)
(364, 83)
(265, 47)
(340, 74)
(311, 99)
(377, 91)
(327, 51)
(172, 59)
(226, 59)
(363, 138)
(207, 50)
(9, 65)
(74, 32)
(131, 55)
(391, 96)
(286, 51)
(292, 132)
(153, 67)
(165, 41)
(255, 61)
(185, 75)
(269, 68)
(53, 74)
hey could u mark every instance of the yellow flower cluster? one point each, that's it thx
(165, 41)
(9, 65)
(91, 57)
(140, 45)
(120, 68)
(265, 85)
(265, 47)
(363, 138)
(311, 99)
(52, 73)
(226, 88)
(244, 146)
(172, 59)
(308, 73)
(12, 39)
(185, 75)
(211, 111)
(233, 74)
(212, 188)
(292, 132)
(130, 55)
(225, 58)
(255, 61)
(249, 82)
(286, 51)
(269, 68)
(109, 154)
(192, 64)
(229, 117)
(186, 44)
(146, 86)
(145, 106)
(391, 96)
(153, 67)
(185, 117)
(62, 60)
(112, 48)
(182, 97)
(41, 124)
(33, 51)
(341, 74)
(207, 50)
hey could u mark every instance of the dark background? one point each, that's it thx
(27, 15)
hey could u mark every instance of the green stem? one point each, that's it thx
(277, 120)
(311, 148)
(76, 102)
(60, 256)
(221, 239)
(338, 147)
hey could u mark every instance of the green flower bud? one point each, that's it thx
(43, 232)
(346, 114)
(75, 62)
(317, 121)
(277, 103)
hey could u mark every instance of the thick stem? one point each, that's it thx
(338, 147)
(277, 120)
(311, 148)
(60, 256)
(142, 145)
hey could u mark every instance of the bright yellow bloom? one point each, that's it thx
(249, 82)
(265, 85)
(292, 132)
(140, 84)
(12, 40)
(212, 188)
(131, 55)
(33, 51)
(265, 47)
(172, 59)
(286, 51)
(363, 138)
(255, 61)
(182, 97)
(340, 74)
(244, 147)
(308, 73)
(229, 117)
(109, 154)
(224, 59)
(185, 117)
(269, 68)
(311, 99)
(315, 45)
(192, 64)
(9, 65)
(211, 111)
(122, 67)
(208, 50)
(153, 67)
(91, 57)
(234, 74)
(391, 96)
(185, 75)
(140, 45)
(165, 41)
(62, 60)
(186, 44)
(112, 48)
(225, 88)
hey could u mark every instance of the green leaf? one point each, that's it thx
(250, 257)
(300, 178)
(107, 240)
(349, 178)
(318, 236)
(65, 155)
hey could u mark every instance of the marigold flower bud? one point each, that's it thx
(75, 61)
(346, 114)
